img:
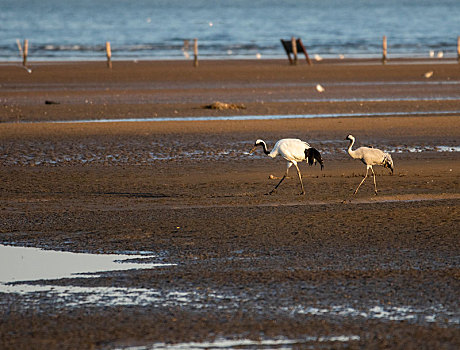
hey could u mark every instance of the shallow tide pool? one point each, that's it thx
(260, 117)
(22, 267)
(278, 343)
(18, 264)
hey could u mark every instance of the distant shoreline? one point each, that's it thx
(301, 61)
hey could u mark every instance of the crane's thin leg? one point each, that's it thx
(356, 191)
(282, 179)
(375, 184)
(279, 183)
(300, 179)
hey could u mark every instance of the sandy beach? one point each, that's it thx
(321, 270)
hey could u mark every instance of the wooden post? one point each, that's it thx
(294, 49)
(304, 51)
(287, 49)
(458, 49)
(293, 46)
(384, 47)
(20, 48)
(109, 54)
(23, 50)
(185, 49)
(195, 52)
(26, 52)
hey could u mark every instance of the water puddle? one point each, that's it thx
(420, 149)
(371, 99)
(254, 117)
(30, 264)
(277, 343)
(20, 266)
(77, 296)
(390, 313)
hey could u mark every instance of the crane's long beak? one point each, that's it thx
(253, 149)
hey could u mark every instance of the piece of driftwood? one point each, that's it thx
(222, 106)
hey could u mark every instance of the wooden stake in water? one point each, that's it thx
(294, 49)
(302, 47)
(19, 47)
(195, 52)
(26, 52)
(185, 49)
(109, 54)
(458, 49)
(384, 47)
(23, 50)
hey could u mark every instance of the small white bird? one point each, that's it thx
(431, 53)
(294, 151)
(440, 54)
(319, 88)
(318, 57)
(369, 156)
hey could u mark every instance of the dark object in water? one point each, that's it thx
(49, 102)
(299, 47)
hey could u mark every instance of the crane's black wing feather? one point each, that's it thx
(312, 155)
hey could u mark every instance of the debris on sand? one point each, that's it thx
(319, 88)
(428, 74)
(221, 106)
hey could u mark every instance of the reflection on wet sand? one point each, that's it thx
(31, 264)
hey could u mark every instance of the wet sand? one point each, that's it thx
(322, 270)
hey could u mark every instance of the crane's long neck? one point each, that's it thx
(350, 151)
(264, 146)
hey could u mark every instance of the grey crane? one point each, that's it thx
(369, 156)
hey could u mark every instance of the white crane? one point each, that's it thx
(369, 156)
(294, 151)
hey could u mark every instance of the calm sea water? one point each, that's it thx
(156, 29)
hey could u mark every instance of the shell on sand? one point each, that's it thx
(319, 88)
